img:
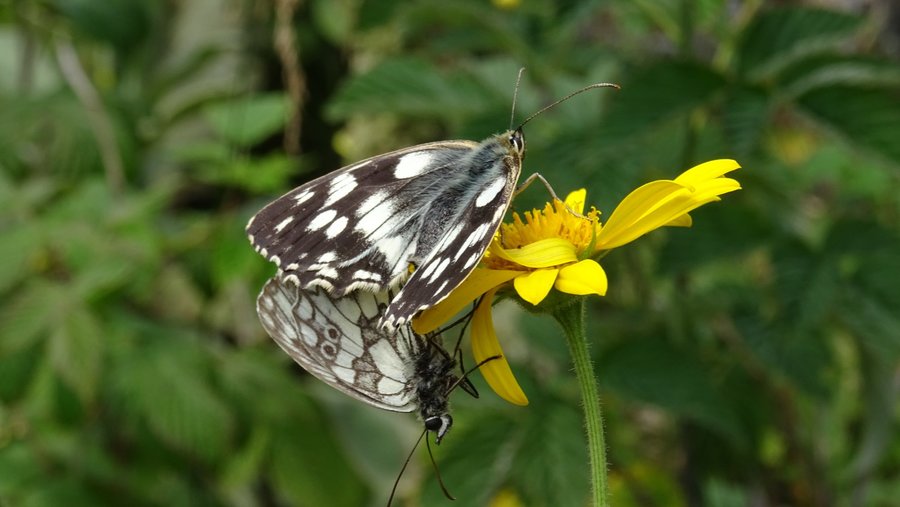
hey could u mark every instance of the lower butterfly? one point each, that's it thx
(338, 340)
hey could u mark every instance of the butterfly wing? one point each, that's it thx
(357, 227)
(338, 340)
(479, 203)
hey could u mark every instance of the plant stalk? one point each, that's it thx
(571, 318)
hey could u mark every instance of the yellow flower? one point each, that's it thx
(553, 248)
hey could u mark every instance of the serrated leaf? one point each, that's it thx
(307, 465)
(164, 387)
(779, 37)
(31, 313)
(412, 87)
(476, 462)
(802, 358)
(821, 71)
(655, 94)
(869, 118)
(551, 466)
(258, 175)
(653, 371)
(744, 117)
(75, 349)
(249, 121)
(17, 247)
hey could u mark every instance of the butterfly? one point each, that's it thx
(417, 220)
(339, 341)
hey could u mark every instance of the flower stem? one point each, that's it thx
(571, 318)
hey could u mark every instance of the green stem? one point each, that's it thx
(571, 318)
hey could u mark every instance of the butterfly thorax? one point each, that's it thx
(434, 378)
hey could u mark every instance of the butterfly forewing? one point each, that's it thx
(357, 227)
(434, 207)
(338, 340)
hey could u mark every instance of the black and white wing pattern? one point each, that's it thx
(338, 341)
(432, 209)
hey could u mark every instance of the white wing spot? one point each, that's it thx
(389, 386)
(340, 187)
(487, 195)
(440, 269)
(292, 267)
(346, 375)
(336, 227)
(378, 216)
(362, 274)
(303, 197)
(471, 260)
(328, 273)
(370, 203)
(321, 220)
(327, 257)
(412, 164)
(281, 225)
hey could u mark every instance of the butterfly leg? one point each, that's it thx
(537, 176)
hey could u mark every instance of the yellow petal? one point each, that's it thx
(581, 278)
(707, 171)
(534, 287)
(477, 283)
(619, 229)
(682, 221)
(543, 253)
(496, 372)
(576, 200)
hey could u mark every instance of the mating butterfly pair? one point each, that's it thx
(362, 250)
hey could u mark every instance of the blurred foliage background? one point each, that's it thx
(750, 360)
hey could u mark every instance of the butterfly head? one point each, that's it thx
(516, 141)
(440, 425)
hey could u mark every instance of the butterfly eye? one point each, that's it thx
(517, 140)
(433, 423)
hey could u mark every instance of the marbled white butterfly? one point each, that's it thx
(338, 340)
(430, 209)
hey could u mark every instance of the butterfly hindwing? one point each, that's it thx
(338, 340)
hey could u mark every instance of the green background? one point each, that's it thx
(750, 360)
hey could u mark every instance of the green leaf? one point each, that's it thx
(249, 121)
(307, 465)
(654, 371)
(164, 386)
(268, 174)
(782, 36)
(657, 93)
(867, 117)
(550, 468)
(76, 350)
(820, 71)
(744, 118)
(408, 86)
(18, 246)
(31, 312)
(476, 463)
(122, 23)
(20, 469)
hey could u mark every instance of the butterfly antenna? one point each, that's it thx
(567, 97)
(470, 371)
(512, 114)
(437, 473)
(405, 464)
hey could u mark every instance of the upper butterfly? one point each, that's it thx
(430, 210)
